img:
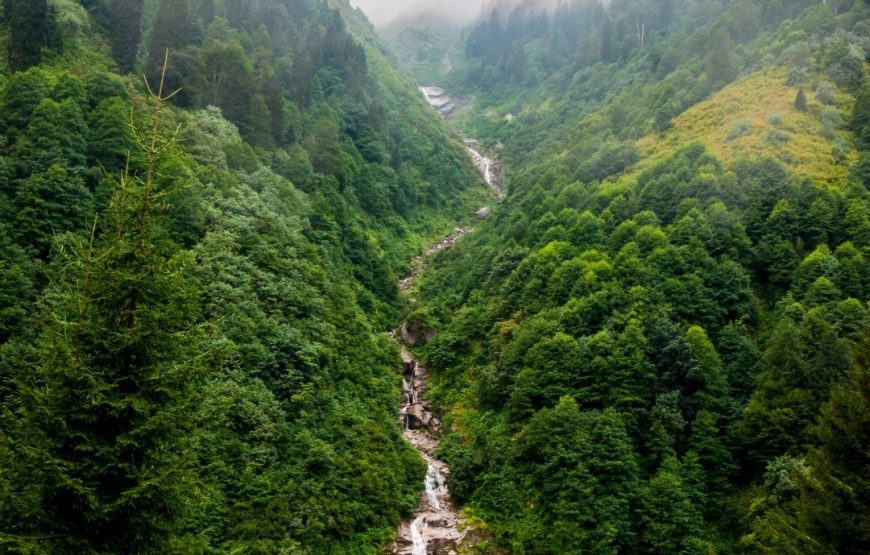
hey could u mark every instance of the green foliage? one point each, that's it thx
(206, 371)
(821, 505)
(98, 450)
(712, 308)
(720, 63)
(633, 347)
(126, 29)
(800, 100)
(825, 93)
(738, 129)
(30, 28)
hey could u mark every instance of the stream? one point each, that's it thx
(490, 167)
(437, 527)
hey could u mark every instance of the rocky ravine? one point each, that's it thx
(437, 527)
(491, 168)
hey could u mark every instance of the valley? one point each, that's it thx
(604, 288)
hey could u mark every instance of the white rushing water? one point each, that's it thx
(488, 166)
(418, 545)
(433, 484)
(437, 526)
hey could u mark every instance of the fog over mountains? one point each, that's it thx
(381, 12)
(461, 12)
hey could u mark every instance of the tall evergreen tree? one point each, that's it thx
(829, 511)
(607, 48)
(800, 100)
(126, 30)
(28, 27)
(721, 63)
(96, 457)
(171, 30)
(860, 123)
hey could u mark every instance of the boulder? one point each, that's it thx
(415, 335)
(417, 416)
(442, 546)
(483, 213)
(408, 362)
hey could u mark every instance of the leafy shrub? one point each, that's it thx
(845, 65)
(774, 119)
(738, 129)
(797, 76)
(776, 138)
(840, 150)
(831, 121)
(825, 93)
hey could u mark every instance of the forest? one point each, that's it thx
(658, 343)
(194, 286)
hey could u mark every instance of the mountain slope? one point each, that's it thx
(192, 354)
(647, 347)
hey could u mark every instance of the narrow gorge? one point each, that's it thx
(437, 527)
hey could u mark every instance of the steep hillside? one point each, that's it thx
(195, 284)
(757, 116)
(423, 43)
(653, 345)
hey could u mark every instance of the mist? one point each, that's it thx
(381, 12)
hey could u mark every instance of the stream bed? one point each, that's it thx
(437, 527)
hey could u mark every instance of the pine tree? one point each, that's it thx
(828, 512)
(860, 123)
(171, 30)
(721, 63)
(55, 134)
(29, 26)
(96, 453)
(48, 203)
(777, 418)
(800, 101)
(126, 29)
(607, 48)
(669, 522)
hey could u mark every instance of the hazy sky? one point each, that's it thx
(384, 11)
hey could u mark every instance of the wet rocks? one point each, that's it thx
(483, 213)
(419, 264)
(416, 416)
(491, 168)
(438, 99)
(414, 335)
(437, 528)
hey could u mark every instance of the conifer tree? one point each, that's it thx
(171, 30)
(96, 454)
(126, 30)
(800, 101)
(28, 27)
(721, 63)
(828, 509)
(860, 123)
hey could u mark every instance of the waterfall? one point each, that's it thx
(432, 485)
(419, 543)
(437, 521)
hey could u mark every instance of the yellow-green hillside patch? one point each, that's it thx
(755, 117)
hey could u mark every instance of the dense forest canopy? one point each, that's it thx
(657, 343)
(192, 303)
